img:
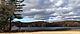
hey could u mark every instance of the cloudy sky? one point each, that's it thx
(50, 10)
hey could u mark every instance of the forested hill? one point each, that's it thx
(47, 24)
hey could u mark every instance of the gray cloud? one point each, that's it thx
(43, 9)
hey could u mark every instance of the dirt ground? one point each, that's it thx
(47, 32)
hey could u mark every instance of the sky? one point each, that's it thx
(50, 10)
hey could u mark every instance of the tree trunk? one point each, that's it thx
(10, 25)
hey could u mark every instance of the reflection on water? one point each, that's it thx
(44, 28)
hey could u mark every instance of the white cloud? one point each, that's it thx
(51, 0)
(59, 3)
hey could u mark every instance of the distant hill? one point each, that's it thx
(47, 24)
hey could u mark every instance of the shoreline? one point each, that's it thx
(47, 32)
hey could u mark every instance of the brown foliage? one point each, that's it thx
(47, 24)
(69, 23)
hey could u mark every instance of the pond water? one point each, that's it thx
(44, 28)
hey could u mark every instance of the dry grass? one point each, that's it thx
(47, 32)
